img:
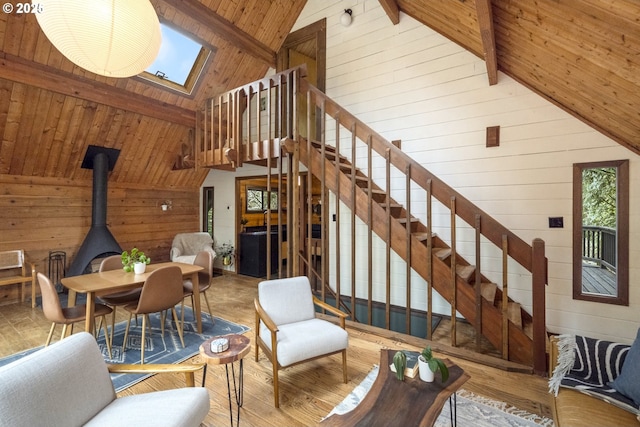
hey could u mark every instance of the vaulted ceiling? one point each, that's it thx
(584, 56)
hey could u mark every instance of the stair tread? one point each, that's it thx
(375, 190)
(361, 178)
(327, 148)
(514, 313)
(423, 235)
(465, 271)
(403, 220)
(488, 291)
(442, 253)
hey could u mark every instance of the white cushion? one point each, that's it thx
(186, 259)
(305, 340)
(184, 407)
(287, 300)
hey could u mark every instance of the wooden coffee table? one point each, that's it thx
(239, 346)
(411, 402)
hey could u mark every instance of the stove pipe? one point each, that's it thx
(99, 240)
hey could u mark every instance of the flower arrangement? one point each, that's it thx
(133, 257)
(226, 251)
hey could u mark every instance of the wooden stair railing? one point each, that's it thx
(527, 346)
(520, 336)
(491, 319)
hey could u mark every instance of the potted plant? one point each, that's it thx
(243, 222)
(429, 365)
(135, 261)
(226, 252)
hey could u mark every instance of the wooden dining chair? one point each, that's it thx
(120, 298)
(161, 291)
(66, 316)
(205, 260)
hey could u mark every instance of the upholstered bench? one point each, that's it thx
(594, 382)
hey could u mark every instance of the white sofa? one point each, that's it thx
(185, 246)
(68, 384)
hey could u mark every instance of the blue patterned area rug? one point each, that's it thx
(159, 348)
(471, 409)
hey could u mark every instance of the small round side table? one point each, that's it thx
(239, 346)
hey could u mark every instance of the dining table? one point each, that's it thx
(106, 282)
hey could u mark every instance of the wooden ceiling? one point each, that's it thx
(51, 110)
(582, 55)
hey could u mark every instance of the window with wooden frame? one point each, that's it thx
(258, 200)
(207, 210)
(601, 232)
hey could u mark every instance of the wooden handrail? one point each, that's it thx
(491, 229)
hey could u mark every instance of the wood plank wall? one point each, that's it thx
(46, 214)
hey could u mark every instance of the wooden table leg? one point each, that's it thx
(91, 307)
(196, 301)
(71, 301)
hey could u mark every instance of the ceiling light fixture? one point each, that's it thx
(345, 18)
(113, 38)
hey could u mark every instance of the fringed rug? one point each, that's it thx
(471, 409)
(159, 348)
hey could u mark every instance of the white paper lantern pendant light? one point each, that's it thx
(113, 38)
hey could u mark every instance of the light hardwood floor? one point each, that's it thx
(308, 391)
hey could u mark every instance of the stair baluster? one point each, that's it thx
(388, 238)
(407, 186)
(478, 282)
(353, 218)
(369, 230)
(429, 264)
(505, 299)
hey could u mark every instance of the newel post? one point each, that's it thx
(539, 280)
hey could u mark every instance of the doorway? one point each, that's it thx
(306, 46)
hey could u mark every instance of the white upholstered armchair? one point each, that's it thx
(288, 331)
(186, 246)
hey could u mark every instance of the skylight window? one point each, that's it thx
(179, 62)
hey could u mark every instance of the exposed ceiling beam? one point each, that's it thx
(485, 21)
(391, 9)
(224, 29)
(31, 73)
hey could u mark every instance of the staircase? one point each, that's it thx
(303, 125)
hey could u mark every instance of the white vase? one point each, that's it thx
(139, 267)
(426, 374)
